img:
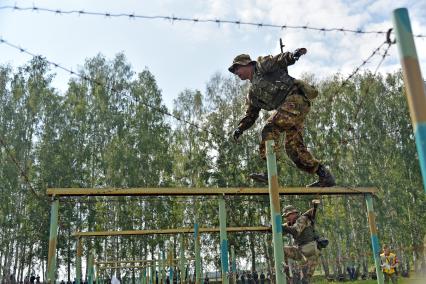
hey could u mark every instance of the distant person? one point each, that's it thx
(389, 262)
(206, 279)
(114, 280)
(32, 279)
(351, 268)
(262, 278)
(255, 277)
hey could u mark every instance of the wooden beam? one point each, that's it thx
(137, 261)
(206, 191)
(120, 267)
(168, 231)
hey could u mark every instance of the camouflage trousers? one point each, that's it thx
(289, 118)
(306, 265)
(392, 277)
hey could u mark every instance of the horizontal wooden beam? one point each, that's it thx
(121, 267)
(138, 261)
(168, 231)
(206, 191)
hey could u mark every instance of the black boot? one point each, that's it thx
(326, 179)
(259, 177)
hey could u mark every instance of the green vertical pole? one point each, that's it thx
(51, 258)
(97, 280)
(91, 269)
(97, 277)
(144, 276)
(78, 261)
(156, 266)
(233, 265)
(197, 254)
(182, 261)
(414, 84)
(161, 264)
(276, 218)
(223, 241)
(374, 237)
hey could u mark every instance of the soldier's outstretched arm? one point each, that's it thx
(252, 113)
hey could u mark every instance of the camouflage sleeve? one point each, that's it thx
(272, 63)
(297, 228)
(252, 113)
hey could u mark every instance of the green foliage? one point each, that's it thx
(113, 131)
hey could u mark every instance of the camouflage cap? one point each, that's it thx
(242, 59)
(289, 209)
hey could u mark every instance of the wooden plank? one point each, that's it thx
(168, 231)
(207, 191)
(137, 261)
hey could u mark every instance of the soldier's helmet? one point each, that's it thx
(242, 59)
(289, 209)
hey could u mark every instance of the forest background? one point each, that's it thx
(111, 128)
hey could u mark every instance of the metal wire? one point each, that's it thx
(173, 19)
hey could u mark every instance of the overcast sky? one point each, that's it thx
(185, 55)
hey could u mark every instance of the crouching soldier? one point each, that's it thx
(305, 251)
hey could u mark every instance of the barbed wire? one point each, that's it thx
(155, 108)
(86, 78)
(192, 20)
(21, 171)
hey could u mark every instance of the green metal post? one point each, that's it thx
(276, 218)
(414, 84)
(91, 269)
(156, 276)
(182, 261)
(51, 259)
(144, 276)
(197, 254)
(233, 265)
(223, 241)
(161, 264)
(374, 237)
(78, 261)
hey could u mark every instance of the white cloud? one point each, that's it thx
(185, 55)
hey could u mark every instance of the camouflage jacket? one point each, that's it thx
(269, 86)
(302, 230)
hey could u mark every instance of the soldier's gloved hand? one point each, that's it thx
(237, 134)
(299, 52)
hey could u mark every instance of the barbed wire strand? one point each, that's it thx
(21, 171)
(192, 20)
(155, 108)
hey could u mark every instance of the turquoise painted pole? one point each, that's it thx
(144, 276)
(223, 241)
(234, 265)
(91, 270)
(171, 273)
(374, 237)
(161, 264)
(276, 218)
(197, 254)
(181, 261)
(78, 261)
(414, 84)
(53, 237)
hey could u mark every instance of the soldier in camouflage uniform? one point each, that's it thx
(273, 89)
(305, 251)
